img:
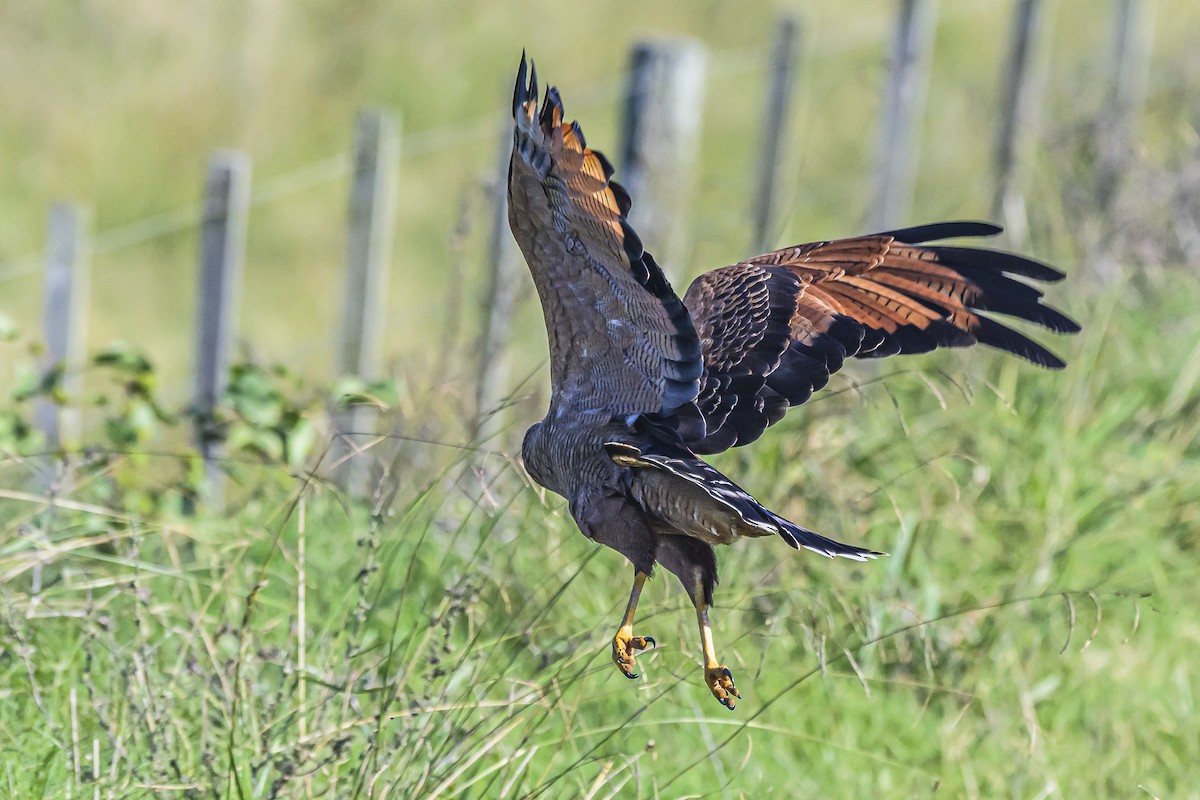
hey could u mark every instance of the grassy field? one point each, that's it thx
(1033, 633)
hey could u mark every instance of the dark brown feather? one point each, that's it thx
(620, 338)
(774, 328)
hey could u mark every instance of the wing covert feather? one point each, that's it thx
(774, 328)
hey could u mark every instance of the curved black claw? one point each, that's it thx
(650, 640)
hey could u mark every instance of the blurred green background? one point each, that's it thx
(457, 643)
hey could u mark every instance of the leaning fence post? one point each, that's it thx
(1117, 124)
(372, 212)
(660, 138)
(222, 252)
(903, 103)
(1016, 120)
(64, 322)
(776, 121)
(1132, 28)
(501, 287)
(1132, 34)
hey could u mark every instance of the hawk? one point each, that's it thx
(643, 383)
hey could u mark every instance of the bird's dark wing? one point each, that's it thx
(774, 328)
(620, 339)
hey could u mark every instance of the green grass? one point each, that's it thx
(1032, 633)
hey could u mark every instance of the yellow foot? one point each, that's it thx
(624, 648)
(720, 682)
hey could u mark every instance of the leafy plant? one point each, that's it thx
(139, 453)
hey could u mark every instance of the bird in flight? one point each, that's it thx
(643, 383)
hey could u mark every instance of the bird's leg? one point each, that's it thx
(717, 676)
(625, 645)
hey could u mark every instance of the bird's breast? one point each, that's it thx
(565, 453)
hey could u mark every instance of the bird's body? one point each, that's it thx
(643, 381)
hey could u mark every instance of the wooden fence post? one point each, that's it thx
(64, 322)
(222, 253)
(903, 104)
(777, 120)
(660, 138)
(501, 286)
(1016, 120)
(1117, 125)
(372, 213)
(1132, 34)
(1117, 128)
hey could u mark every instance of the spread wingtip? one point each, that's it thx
(519, 90)
(533, 82)
(526, 87)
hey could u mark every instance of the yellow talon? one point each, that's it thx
(625, 648)
(625, 645)
(720, 683)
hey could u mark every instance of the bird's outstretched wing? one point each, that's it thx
(620, 339)
(773, 329)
